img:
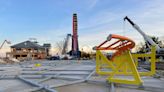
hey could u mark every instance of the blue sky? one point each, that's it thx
(50, 20)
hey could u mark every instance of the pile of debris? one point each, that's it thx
(8, 60)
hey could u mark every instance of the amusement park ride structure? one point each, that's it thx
(122, 62)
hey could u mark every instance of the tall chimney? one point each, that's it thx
(75, 47)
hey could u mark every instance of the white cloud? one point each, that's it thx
(98, 26)
(93, 3)
(105, 22)
(149, 18)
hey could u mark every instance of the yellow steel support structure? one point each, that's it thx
(124, 64)
(126, 67)
(152, 60)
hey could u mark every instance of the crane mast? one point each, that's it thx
(65, 46)
(147, 39)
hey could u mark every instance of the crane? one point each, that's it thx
(65, 46)
(8, 42)
(148, 40)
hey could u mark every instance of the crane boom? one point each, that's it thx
(147, 39)
(8, 42)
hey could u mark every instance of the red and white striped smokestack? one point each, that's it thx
(74, 24)
(75, 35)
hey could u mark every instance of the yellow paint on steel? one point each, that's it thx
(124, 64)
(37, 65)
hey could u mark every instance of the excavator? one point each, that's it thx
(149, 41)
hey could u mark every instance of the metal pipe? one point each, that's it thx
(70, 83)
(36, 84)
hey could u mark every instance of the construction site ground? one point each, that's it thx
(65, 76)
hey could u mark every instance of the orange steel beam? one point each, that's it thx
(113, 44)
(121, 45)
(128, 44)
(102, 44)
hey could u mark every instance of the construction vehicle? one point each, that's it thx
(149, 41)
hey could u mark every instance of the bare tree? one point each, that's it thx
(143, 47)
(59, 46)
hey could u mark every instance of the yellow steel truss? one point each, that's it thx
(124, 64)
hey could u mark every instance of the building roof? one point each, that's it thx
(27, 44)
(47, 45)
